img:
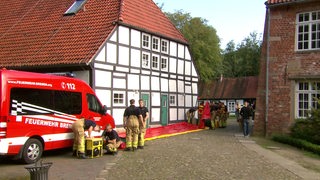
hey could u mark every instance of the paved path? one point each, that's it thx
(208, 154)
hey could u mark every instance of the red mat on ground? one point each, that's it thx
(167, 130)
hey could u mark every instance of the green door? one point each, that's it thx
(145, 98)
(164, 110)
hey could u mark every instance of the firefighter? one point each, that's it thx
(131, 117)
(214, 108)
(200, 111)
(142, 124)
(190, 114)
(111, 140)
(223, 115)
(78, 128)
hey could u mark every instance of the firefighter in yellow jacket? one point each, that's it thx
(78, 128)
(131, 118)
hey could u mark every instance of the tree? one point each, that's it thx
(243, 60)
(204, 43)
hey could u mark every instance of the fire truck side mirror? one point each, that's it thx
(104, 110)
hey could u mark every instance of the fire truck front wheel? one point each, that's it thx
(32, 151)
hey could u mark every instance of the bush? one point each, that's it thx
(306, 129)
(299, 143)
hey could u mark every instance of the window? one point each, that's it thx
(172, 100)
(231, 106)
(164, 46)
(26, 101)
(155, 62)
(118, 98)
(307, 94)
(145, 60)
(164, 63)
(155, 44)
(93, 103)
(308, 31)
(75, 7)
(146, 41)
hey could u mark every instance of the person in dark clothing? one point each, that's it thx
(111, 140)
(246, 112)
(143, 124)
(131, 119)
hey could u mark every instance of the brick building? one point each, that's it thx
(289, 77)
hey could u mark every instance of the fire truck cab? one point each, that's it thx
(37, 111)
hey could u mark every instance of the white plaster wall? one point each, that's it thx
(172, 85)
(194, 88)
(188, 89)
(101, 55)
(133, 94)
(173, 48)
(111, 53)
(119, 83)
(194, 72)
(180, 66)
(118, 115)
(155, 83)
(155, 99)
(181, 114)
(133, 82)
(124, 35)
(155, 116)
(135, 38)
(114, 36)
(104, 96)
(180, 100)
(180, 51)
(102, 78)
(173, 114)
(188, 100)
(187, 69)
(124, 55)
(173, 65)
(145, 82)
(180, 86)
(194, 101)
(187, 54)
(164, 85)
(135, 58)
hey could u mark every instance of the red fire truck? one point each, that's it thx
(37, 111)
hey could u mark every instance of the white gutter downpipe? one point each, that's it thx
(267, 71)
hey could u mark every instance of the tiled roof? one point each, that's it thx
(229, 88)
(36, 33)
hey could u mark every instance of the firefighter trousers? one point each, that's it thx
(141, 136)
(79, 139)
(132, 131)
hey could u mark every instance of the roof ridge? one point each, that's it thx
(121, 10)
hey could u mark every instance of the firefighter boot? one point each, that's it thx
(74, 154)
(82, 156)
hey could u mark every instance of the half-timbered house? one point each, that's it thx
(125, 49)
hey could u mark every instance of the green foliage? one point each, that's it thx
(204, 43)
(299, 143)
(210, 61)
(244, 59)
(309, 128)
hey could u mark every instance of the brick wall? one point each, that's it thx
(285, 67)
